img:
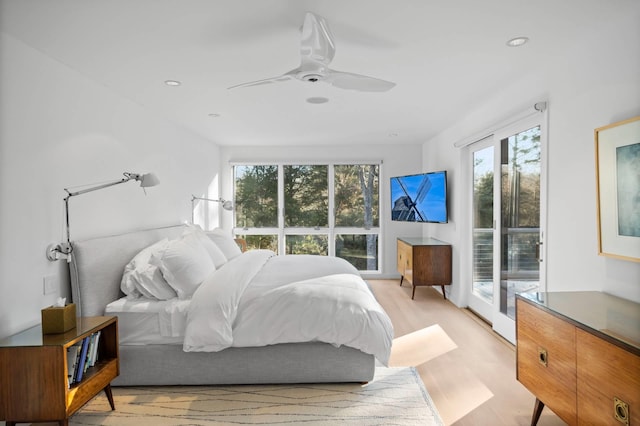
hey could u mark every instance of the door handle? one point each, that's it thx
(538, 244)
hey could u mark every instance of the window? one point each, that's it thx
(306, 196)
(322, 209)
(256, 196)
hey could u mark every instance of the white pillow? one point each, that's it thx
(214, 251)
(184, 263)
(224, 240)
(140, 278)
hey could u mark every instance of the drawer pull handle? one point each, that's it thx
(542, 356)
(621, 411)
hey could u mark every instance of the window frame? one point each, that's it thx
(331, 231)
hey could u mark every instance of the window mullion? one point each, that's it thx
(281, 242)
(331, 211)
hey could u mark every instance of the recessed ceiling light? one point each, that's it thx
(214, 115)
(172, 83)
(317, 100)
(393, 135)
(517, 41)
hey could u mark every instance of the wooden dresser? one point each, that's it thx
(579, 354)
(424, 261)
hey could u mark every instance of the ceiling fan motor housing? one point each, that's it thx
(311, 77)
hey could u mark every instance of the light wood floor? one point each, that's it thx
(469, 371)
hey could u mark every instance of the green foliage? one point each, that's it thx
(256, 196)
(356, 195)
(264, 242)
(483, 201)
(306, 196)
(359, 250)
(307, 244)
(520, 190)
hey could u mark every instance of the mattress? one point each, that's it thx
(144, 321)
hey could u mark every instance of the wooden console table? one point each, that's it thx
(579, 354)
(424, 261)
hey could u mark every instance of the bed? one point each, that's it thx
(176, 342)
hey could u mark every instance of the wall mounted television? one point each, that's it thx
(420, 198)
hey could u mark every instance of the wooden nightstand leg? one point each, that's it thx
(443, 293)
(401, 278)
(537, 410)
(414, 292)
(107, 391)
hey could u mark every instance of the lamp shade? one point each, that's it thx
(149, 179)
(227, 205)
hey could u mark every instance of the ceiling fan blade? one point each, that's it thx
(316, 52)
(261, 82)
(363, 83)
(316, 45)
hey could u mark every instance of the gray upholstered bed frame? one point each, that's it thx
(96, 270)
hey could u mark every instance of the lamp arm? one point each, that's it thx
(84, 191)
(66, 248)
(219, 200)
(127, 177)
(95, 188)
(227, 205)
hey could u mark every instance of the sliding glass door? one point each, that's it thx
(507, 226)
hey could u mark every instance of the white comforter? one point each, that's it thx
(260, 299)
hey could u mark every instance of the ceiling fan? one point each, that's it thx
(316, 52)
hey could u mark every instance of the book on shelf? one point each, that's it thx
(82, 359)
(94, 353)
(72, 359)
(89, 360)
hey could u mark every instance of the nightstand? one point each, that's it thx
(33, 367)
(424, 261)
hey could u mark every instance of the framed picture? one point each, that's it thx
(618, 189)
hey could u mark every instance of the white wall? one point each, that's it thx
(397, 160)
(59, 129)
(594, 84)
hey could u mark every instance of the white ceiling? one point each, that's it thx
(445, 56)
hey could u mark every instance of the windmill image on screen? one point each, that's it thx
(419, 198)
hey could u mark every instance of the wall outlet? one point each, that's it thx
(50, 284)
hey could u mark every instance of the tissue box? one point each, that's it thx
(58, 319)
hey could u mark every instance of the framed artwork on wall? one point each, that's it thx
(618, 189)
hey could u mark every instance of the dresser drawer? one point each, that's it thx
(546, 359)
(605, 372)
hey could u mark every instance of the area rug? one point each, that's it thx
(396, 396)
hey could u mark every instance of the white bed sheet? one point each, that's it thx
(144, 321)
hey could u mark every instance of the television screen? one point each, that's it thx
(419, 198)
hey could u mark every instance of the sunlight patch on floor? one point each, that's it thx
(464, 393)
(421, 346)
